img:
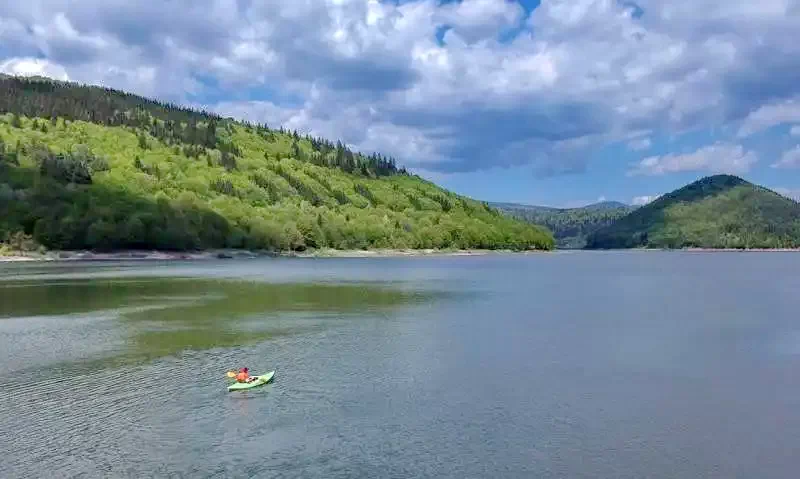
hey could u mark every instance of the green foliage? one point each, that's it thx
(302, 189)
(9, 156)
(320, 179)
(366, 193)
(224, 186)
(719, 211)
(115, 171)
(18, 242)
(265, 184)
(415, 202)
(340, 197)
(63, 167)
(570, 226)
(228, 161)
(443, 201)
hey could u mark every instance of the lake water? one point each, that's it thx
(569, 365)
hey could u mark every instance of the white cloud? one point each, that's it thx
(578, 74)
(795, 130)
(771, 115)
(640, 144)
(643, 200)
(33, 67)
(716, 158)
(474, 20)
(789, 159)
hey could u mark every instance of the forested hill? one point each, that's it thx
(84, 167)
(570, 226)
(720, 211)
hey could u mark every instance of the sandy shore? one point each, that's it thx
(240, 254)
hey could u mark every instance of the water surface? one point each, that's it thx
(554, 365)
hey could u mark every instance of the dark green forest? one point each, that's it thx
(84, 167)
(720, 211)
(570, 226)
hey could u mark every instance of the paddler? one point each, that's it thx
(243, 376)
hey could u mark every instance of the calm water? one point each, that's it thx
(624, 365)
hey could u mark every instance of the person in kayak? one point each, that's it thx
(243, 376)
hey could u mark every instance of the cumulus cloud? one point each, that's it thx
(456, 86)
(716, 158)
(33, 67)
(643, 200)
(475, 20)
(789, 159)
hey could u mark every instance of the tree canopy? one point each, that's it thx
(84, 167)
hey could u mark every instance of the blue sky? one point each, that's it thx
(559, 103)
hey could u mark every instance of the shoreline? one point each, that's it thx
(68, 256)
(155, 255)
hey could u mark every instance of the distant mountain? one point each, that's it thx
(720, 211)
(570, 226)
(519, 206)
(606, 205)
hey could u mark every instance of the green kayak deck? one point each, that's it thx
(256, 381)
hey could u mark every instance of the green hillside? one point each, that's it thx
(719, 211)
(84, 167)
(570, 226)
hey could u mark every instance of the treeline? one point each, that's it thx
(170, 124)
(333, 155)
(46, 98)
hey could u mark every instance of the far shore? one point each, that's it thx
(15, 256)
(242, 254)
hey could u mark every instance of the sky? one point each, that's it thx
(558, 102)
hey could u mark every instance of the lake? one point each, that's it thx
(568, 365)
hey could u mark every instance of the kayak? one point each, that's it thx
(256, 381)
